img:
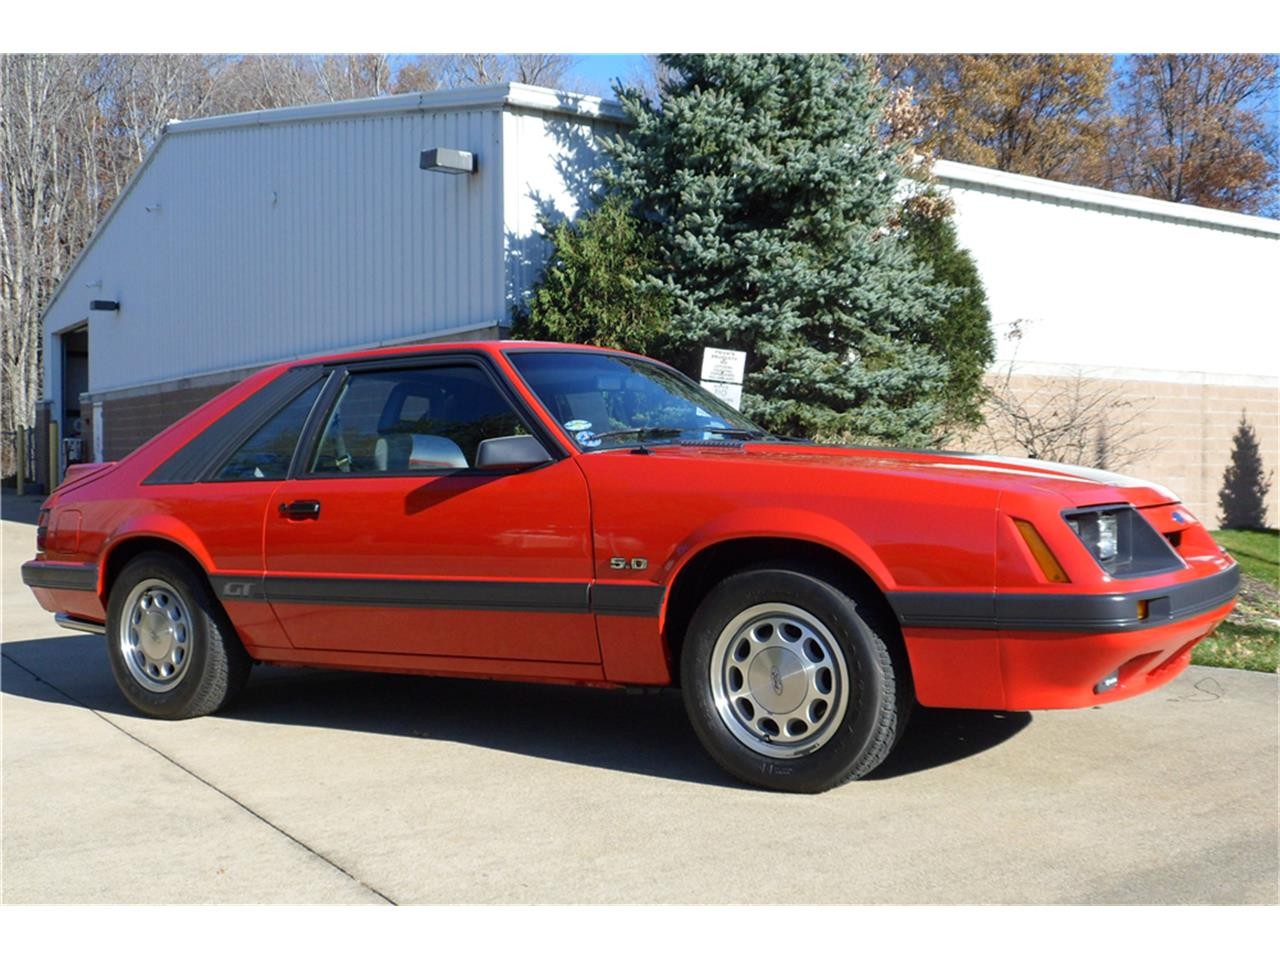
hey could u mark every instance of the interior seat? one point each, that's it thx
(404, 452)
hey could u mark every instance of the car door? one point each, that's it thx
(223, 497)
(389, 539)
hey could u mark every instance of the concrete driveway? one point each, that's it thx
(329, 787)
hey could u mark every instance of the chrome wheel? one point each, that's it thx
(155, 635)
(779, 680)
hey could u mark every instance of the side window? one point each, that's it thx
(403, 421)
(266, 454)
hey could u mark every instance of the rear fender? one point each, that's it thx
(155, 527)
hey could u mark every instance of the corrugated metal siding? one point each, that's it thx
(281, 241)
(548, 165)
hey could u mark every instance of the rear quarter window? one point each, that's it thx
(266, 455)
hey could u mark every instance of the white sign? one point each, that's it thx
(97, 432)
(730, 393)
(723, 366)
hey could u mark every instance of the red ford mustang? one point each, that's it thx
(547, 512)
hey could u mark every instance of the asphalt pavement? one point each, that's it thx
(336, 787)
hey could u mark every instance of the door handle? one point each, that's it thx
(300, 510)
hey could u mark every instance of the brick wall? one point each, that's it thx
(1186, 431)
(129, 422)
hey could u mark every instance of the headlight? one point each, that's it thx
(1108, 536)
(1122, 542)
(1100, 532)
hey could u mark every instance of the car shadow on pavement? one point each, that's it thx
(645, 733)
(24, 509)
(935, 738)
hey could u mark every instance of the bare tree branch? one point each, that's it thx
(1074, 419)
(74, 129)
(538, 69)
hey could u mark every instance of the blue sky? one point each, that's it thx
(593, 73)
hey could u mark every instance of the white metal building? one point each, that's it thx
(257, 237)
(252, 238)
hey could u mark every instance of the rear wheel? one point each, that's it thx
(792, 683)
(172, 649)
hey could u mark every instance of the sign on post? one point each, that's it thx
(722, 372)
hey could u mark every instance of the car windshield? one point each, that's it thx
(604, 400)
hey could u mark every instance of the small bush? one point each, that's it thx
(1243, 496)
(594, 288)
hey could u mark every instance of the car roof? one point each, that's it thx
(419, 349)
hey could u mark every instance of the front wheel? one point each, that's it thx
(792, 683)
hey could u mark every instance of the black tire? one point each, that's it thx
(846, 626)
(214, 664)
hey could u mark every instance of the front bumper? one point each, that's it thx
(1039, 652)
(1042, 672)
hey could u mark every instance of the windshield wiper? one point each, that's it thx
(652, 433)
(640, 433)
(738, 433)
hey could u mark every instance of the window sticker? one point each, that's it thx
(576, 426)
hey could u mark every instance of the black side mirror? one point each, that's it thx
(510, 453)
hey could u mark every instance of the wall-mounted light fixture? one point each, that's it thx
(108, 305)
(446, 160)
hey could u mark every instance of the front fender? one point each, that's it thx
(784, 523)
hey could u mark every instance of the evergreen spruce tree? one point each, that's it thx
(962, 332)
(593, 287)
(1243, 496)
(769, 192)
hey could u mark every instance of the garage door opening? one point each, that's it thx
(75, 381)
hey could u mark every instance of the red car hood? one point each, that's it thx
(1081, 486)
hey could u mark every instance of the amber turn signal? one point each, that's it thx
(1048, 563)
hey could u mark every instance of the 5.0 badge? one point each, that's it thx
(624, 563)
